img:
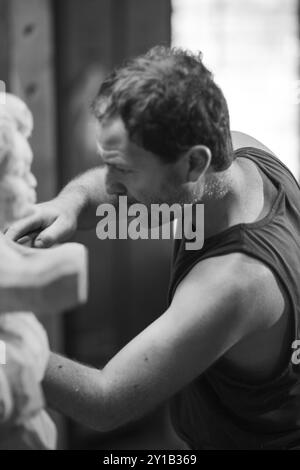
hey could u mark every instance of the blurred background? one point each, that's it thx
(54, 54)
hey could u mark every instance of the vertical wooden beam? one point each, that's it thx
(148, 25)
(92, 37)
(32, 78)
(138, 25)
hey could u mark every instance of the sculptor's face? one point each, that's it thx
(135, 172)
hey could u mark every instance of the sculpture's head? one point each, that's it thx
(17, 183)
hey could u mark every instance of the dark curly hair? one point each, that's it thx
(168, 102)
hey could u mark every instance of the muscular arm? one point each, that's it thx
(57, 220)
(204, 321)
(85, 193)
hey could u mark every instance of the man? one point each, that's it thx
(221, 353)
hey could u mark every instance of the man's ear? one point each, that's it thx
(198, 160)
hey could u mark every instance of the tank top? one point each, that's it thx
(217, 410)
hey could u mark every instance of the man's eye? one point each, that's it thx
(122, 170)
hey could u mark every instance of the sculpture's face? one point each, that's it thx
(17, 183)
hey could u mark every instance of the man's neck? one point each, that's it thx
(240, 201)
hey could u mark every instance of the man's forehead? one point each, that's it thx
(113, 142)
(112, 135)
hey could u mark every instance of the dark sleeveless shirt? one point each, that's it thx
(218, 410)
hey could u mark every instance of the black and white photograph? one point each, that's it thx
(149, 228)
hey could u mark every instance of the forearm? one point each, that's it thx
(81, 393)
(77, 391)
(84, 194)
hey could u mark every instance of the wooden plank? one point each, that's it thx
(92, 37)
(148, 24)
(83, 39)
(32, 78)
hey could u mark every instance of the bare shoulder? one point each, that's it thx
(238, 283)
(240, 140)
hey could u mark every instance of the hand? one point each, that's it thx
(51, 223)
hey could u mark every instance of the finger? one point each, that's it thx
(23, 227)
(29, 239)
(24, 240)
(57, 232)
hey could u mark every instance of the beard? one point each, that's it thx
(216, 186)
(169, 195)
(164, 206)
